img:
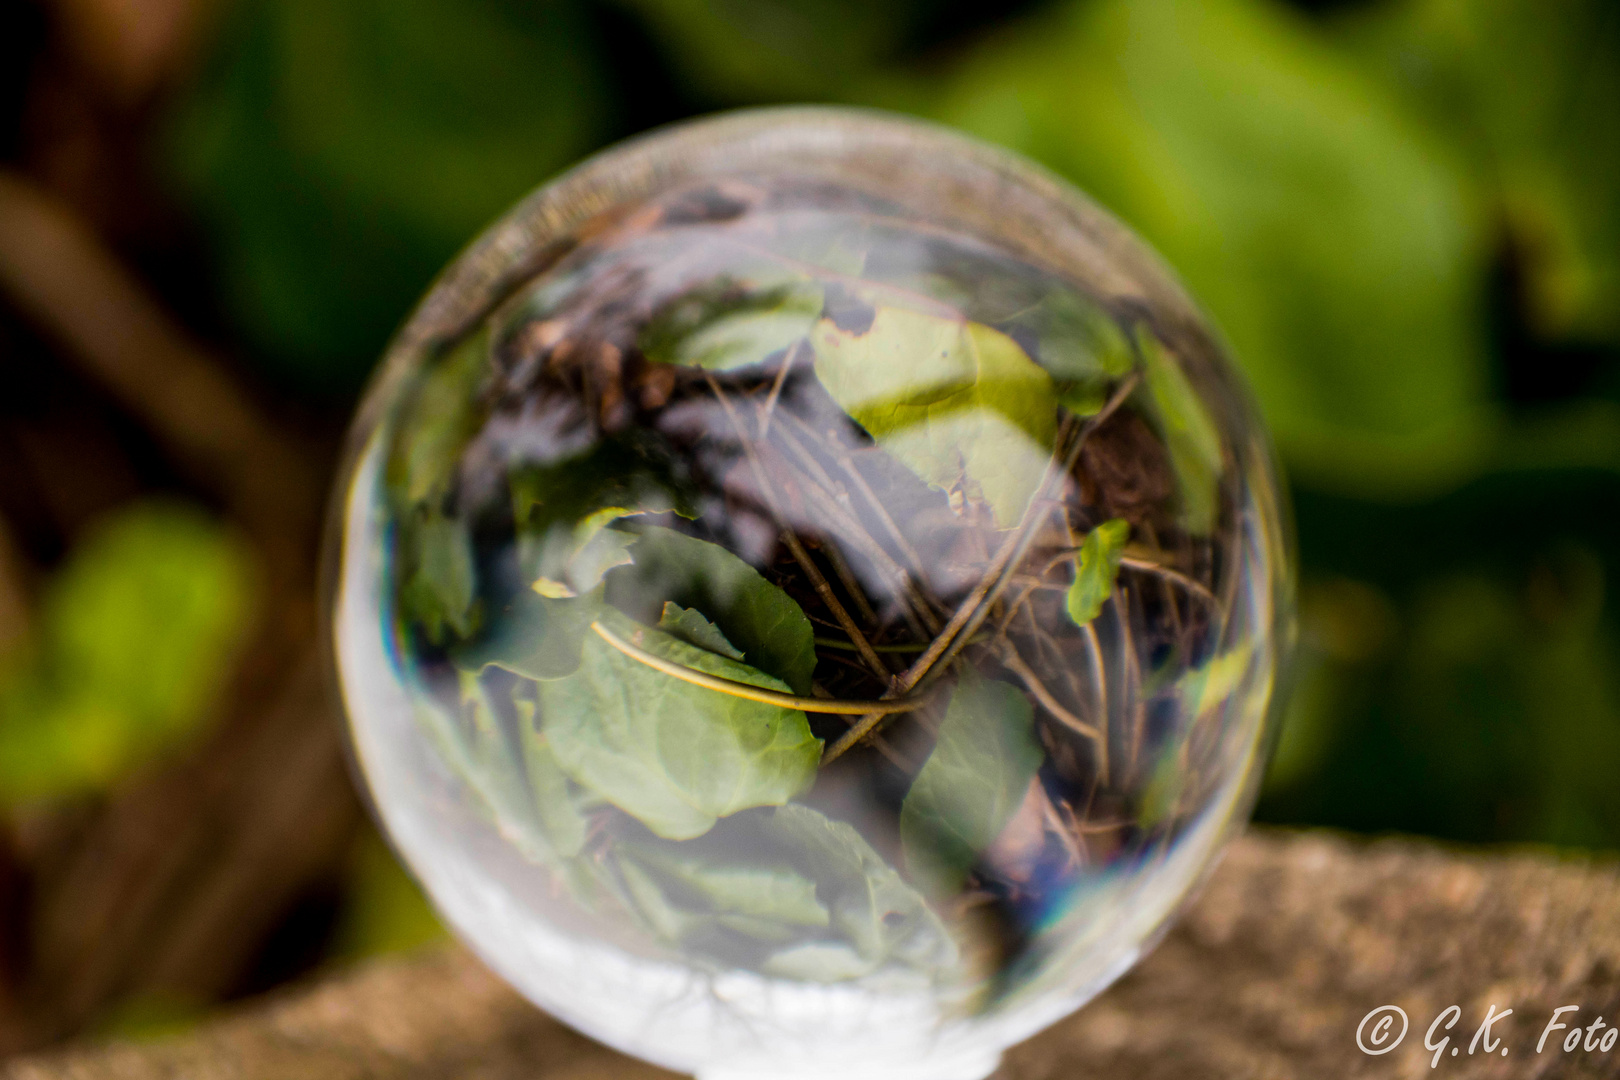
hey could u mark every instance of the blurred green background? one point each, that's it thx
(1404, 215)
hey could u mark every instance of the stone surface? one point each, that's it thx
(1294, 940)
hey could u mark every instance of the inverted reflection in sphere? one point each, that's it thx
(808, 596)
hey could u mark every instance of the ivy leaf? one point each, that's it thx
(1095, 569)
(675, 756)
(972, 783)
(751, 613)
(879, 918)
(1190, 435)
(438, 592)
(959, 403)
(691, 627)
(729, 324)
(534, 636)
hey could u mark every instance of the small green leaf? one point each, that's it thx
(1095, 569)
(691, 627)
(439, 591)
(442, 414)
(754, 615)
(972, 783)
(534, 636)
(729, 324)
(883, 920)
(1190, 436)
(959, 403)
(673, 755)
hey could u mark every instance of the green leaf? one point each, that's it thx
(339, 152)
(555, 804)
(754, 615)
(1075, 338)
(1095, 569)
(673, 755)
(972, 783)
(1525, 92)
(883, 920)
(136, 636)
(959, 403)
(1336, 242)
(581, 558)
(534, 636)
(439, 591)
(442, 414)
(685, 891)
(729, 324)
(746, 52)
(489, 761)
(691, 627)
(1190, 435)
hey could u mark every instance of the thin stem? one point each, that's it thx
(839, 706)
(832, 501)
(1015, 663)
(907, 647)
(844, 459)
(769, 408)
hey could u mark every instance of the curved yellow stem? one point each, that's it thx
(757, 693)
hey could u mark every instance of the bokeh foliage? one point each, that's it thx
(1404, 215)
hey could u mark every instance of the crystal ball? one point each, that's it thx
(808, 591)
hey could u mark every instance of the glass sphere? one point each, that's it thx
(808, 592)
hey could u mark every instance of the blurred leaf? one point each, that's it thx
(730, 324)
(136, 636)
(675, 756)
(1526, 91)
(537, 637)
(972, 783)
(1096, 567)
(1329, 236)
(959, 403)
(340, 151)
(749, 51)
(1190, 435)
(384, 910)
(681, 891)
(442, 584)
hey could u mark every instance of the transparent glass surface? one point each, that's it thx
(807, 593)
